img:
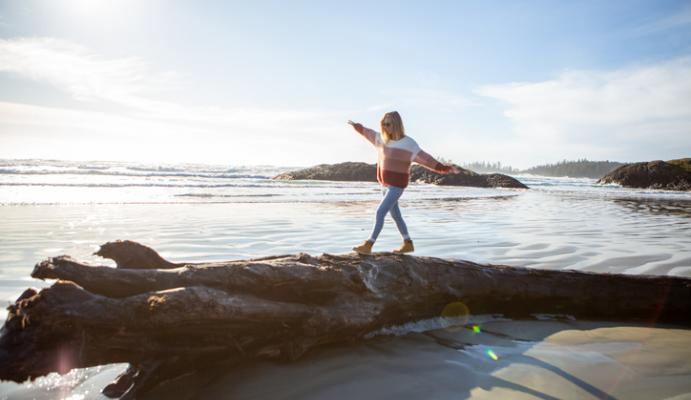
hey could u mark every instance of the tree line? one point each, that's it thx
(582, 168)
(485, 167)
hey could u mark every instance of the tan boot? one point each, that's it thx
(365, 248)
(407, 247)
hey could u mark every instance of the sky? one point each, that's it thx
(274, 82)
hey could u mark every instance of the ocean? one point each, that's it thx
(194, 212)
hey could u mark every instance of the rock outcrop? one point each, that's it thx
(357, 171)
(464, 178)
(650, 175)
(347, 171)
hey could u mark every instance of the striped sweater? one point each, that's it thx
(395, 157)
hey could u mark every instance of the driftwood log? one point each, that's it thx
(167, 319)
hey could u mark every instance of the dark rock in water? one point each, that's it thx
(650, 175)
(357, 171)
(464, 178)
(347, 171)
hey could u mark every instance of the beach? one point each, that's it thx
(546, 359)
(187, 190)
(197, 213)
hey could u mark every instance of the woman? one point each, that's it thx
(396, 152)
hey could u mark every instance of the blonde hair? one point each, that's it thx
(394, 131)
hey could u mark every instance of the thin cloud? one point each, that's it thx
(133, 84)
(85, 76)
(642, 109)
(185, 132)
(129, 82)
(679, 19)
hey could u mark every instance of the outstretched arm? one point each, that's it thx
(431, 163)
(367, 133)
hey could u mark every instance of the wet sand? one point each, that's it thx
(534, 359)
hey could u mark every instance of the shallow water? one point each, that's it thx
(203, 213)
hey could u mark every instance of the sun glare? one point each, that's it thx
(99, 11)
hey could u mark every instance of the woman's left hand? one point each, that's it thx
(452, 169)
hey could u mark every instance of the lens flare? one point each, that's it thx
(476, 328)
(455, 310)
(458, 314)
(492, 355)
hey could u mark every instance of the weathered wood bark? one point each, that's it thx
(175, 318)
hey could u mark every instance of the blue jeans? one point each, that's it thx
(389, 204)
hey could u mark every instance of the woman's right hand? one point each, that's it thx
(358, 127)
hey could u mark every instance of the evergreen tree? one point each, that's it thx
(581, 168)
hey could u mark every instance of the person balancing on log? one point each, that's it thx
(396, 152)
